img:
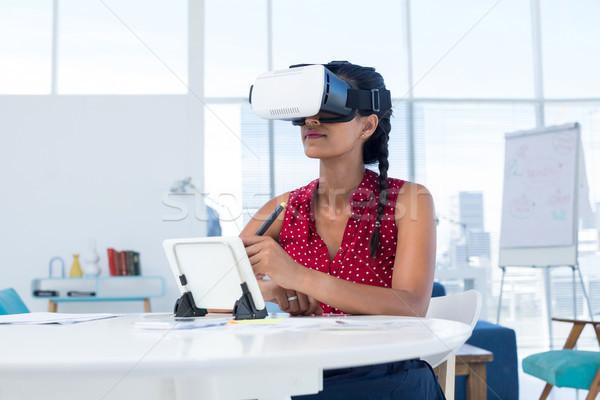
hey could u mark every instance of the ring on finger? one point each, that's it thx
(292, 298)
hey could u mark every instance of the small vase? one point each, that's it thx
(90, 260)
(76, 267)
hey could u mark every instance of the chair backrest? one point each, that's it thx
(438, 290)
(462, 307)
(11, 303)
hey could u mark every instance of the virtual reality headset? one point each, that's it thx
(308, 90)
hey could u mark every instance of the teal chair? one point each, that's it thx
(11, 303)
(576, 369)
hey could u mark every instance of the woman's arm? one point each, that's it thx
(412, 279)
(262, 214)
(270, 290)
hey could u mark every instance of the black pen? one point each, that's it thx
(263, 228)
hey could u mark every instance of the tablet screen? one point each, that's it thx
(214, 268)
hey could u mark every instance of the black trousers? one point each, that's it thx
(402, 380)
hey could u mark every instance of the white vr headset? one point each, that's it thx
(307, 90)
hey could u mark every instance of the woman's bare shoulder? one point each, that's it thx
(414, 200)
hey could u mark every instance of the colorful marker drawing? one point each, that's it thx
(521, 151)
(521, 207)
(559, 214)
(541, 171)
(559, 198)
(563, 143)
(512, 169)
(540, 188)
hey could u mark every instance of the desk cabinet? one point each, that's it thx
(114, 288)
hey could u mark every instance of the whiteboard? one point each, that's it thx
(540, 197)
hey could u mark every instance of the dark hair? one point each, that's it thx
(376, 148)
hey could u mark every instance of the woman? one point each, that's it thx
(352, 242)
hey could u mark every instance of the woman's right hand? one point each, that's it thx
(289, 300)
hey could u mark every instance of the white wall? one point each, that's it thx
(75, 168)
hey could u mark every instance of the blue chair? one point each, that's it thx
(575, 369)
(11, 303)
(213, 224)
(438, 290)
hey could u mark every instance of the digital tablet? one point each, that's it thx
(214, 268)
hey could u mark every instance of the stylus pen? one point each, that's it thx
(263, 228)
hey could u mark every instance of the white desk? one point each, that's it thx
(111, 359)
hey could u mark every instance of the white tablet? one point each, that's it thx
(214, 268)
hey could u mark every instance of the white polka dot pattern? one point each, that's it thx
(299, 237)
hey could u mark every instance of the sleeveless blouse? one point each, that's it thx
(299, 237)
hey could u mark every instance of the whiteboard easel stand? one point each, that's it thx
(552, 256)
(548, 293)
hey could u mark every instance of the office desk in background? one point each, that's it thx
(112, 359)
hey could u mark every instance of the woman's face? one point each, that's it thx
(338, 139)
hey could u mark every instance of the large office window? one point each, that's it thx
(235, 46)
(570, 35)
(25, 46)
(106, 47)
(318, 32)
(460, 148)
(472, 49)
(122, 47)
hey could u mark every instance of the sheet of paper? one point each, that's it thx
(43, 318)
(179, 323)
(328, 323)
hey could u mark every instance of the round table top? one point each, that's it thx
(111, 345)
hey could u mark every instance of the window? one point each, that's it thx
(115, 47)
(235, 46)
(570, 35)
(225, 175)
(312, 31)
(25, 46)
(468, 49)
(460, 157)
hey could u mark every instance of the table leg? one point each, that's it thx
(450, 377)
(52, 306)
(147, 305)
(476, 382)
(441, 371)
(446, 373)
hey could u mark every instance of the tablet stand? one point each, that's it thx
(185, 307)
(244, 308)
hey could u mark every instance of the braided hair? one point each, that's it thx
(375, 149)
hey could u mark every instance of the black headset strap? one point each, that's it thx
(372, 100)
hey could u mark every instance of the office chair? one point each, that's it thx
(11, 303)
(462, 307)
(577, 369)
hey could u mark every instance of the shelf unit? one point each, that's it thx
(113, 288)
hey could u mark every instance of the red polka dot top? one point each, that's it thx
(299, 237)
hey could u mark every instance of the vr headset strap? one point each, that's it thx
(374, 99)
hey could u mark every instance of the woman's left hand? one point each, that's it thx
(268, 258)
(289, 300)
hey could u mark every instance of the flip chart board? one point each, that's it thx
(540, 197)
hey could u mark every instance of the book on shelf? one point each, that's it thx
(123, 263)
